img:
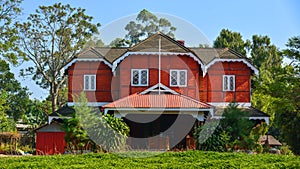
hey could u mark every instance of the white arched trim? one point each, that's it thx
(116, 62)
(88, 60)
(230, 60)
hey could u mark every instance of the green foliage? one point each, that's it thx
(145, 25)
(188, 159)
(38, 112)
(286, 150)
(76, 137)
(51, 38)
(9, 48)
(277, 93)
(263, 53)
(232, 40)
(293, 51)
(108, 132)
(212, 137)
(17, 97)
(234, 132)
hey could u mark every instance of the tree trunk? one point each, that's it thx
(54, 95)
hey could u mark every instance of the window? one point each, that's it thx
(178, 78)
(228, 83)
(89, 82)
(139, 77)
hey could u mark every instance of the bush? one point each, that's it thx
(211, 137)
(285, 150)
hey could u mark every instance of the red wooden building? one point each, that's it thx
(50, 139)
(163, 80)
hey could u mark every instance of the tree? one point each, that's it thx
(286, 89)
(108, 132)
(51, 38)
(278, 95)
(145, 25)
(235, 131)
(263, 53)
(293, 51)
(37, 113)
(17, 96)
(119, 42)
(232, 40)
(9, 10)
(6, 123)
(94, 42)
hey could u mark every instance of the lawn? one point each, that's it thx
(188, 159)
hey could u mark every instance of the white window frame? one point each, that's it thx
(178, 77)
(89, 88)
(228, 82)
(140, 77)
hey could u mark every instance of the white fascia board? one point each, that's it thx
(51, 118)
(92, 104)
(267, 119)
(87, 60)
(116, 62)
(225, 104)
(159, 109)
(230, 60)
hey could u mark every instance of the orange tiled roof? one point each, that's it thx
(157, 101)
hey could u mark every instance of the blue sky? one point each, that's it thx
(279, 19)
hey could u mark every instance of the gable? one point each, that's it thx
(167, 44)
(160, 43)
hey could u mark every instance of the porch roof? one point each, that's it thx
(162, 100)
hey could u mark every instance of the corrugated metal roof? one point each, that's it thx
(157, 101)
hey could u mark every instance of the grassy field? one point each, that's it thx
(189, 159)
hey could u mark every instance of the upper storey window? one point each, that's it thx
(178, 78)
(228, 82)
(89, 82)
(139, 77)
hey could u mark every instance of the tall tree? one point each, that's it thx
(145, 24)
(51, 38)
(293, 51)
(9, 10)
(232, 40)
(17, 97)
(263, 53)
(278, 95)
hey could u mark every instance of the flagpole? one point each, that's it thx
(159, 64)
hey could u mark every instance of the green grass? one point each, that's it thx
(188, 159)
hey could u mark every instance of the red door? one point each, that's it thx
(48, 143)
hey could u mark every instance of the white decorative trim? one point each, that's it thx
(116, 62)
(92, 104)
(158, 85)
(194, 112)
(267, 119)
(51, 118)
(230, 60)
(225, 104)
(87, 60)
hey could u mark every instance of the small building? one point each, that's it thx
(50, 139)
(269, 141)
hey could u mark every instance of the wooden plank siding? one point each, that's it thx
(207, 89)
(211, 85)
(150, 62)
(103, 81)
